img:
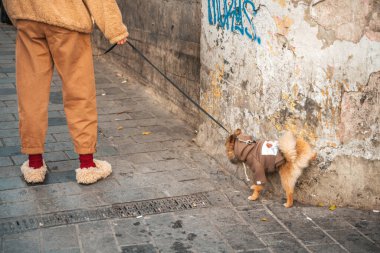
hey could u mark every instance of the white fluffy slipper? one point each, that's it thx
(32, 175)
(93, 174)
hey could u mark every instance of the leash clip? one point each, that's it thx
(248, 142)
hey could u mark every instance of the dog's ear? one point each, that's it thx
(230, 143)
(237, 132)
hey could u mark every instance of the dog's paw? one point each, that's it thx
(253, 198)
(287, 205)
(252, 187)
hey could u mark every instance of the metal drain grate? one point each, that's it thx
(124, 210)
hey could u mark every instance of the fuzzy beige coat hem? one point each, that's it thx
(75, 15)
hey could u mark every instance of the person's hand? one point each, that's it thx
(122, 41)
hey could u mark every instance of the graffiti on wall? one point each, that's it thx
(234, 16)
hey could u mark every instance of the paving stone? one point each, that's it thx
(7, 80)
(283, 242)
(66, 165)
(262, 222)
(55, 156)
(9, 151)
(353, 241)
(49, 157)
(225, 217)
(15, 141)
(58, 146)
(332, 223)
(58, 129)
(9, 125)
(164, 155)
(65, 203)
(140, 158)
(331, 248)
(186, 187)
(8, 97)
(161, 166)
(8, 110)
(60, 239)
(369, 228)
(307, 232)
(201, 234)
(60, 177)
(67, 250)
(19, 159)
(97, 237)
(129, 195)
(10, 171)
(21, 246)
(5, 161)
(15, 195)
(240, 237)
(7, 117)
(62, 136)
(46, 191)
(16, 209)
(56, 98)
(218, 199)
(131, 232)
(168, 234)
(102, 150)
(8, 132)
(72, 155)
(57, 122)
(11, 183)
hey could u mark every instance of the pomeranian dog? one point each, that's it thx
(288, 156)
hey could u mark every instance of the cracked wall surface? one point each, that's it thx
(311, 67)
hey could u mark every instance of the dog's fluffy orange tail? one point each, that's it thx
(296, 151)
(287, 144)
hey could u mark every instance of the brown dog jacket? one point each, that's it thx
(261, 156)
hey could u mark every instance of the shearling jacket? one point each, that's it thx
(76, 15)
(260, 156)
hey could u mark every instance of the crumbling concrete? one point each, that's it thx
(311, 67)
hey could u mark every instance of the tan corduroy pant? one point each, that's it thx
(40, 47)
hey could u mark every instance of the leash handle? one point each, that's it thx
(109, 49)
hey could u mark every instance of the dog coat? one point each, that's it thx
(261, 156)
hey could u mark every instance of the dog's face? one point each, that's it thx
(230, 146)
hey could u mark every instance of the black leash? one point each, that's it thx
(170, 81)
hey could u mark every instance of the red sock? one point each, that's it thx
(35, 161)
(86, 161)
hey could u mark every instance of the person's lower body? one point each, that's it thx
(40, 47)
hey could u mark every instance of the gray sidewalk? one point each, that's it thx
(165, 194)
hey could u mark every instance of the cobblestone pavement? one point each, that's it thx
(165, 194)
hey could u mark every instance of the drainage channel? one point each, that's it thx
(122, 210)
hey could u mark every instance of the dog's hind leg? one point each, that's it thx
(256, 192)
(289, 176)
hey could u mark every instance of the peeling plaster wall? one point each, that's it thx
(311, 67)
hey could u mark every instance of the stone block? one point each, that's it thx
(97, 237)
(60, 239)
(11, 183)
(353, 241)
(22, 246)
(240, 237)
(5, 161)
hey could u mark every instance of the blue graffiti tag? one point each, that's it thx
(232, 15)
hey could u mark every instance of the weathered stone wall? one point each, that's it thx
(168, 33)
(311, 67)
